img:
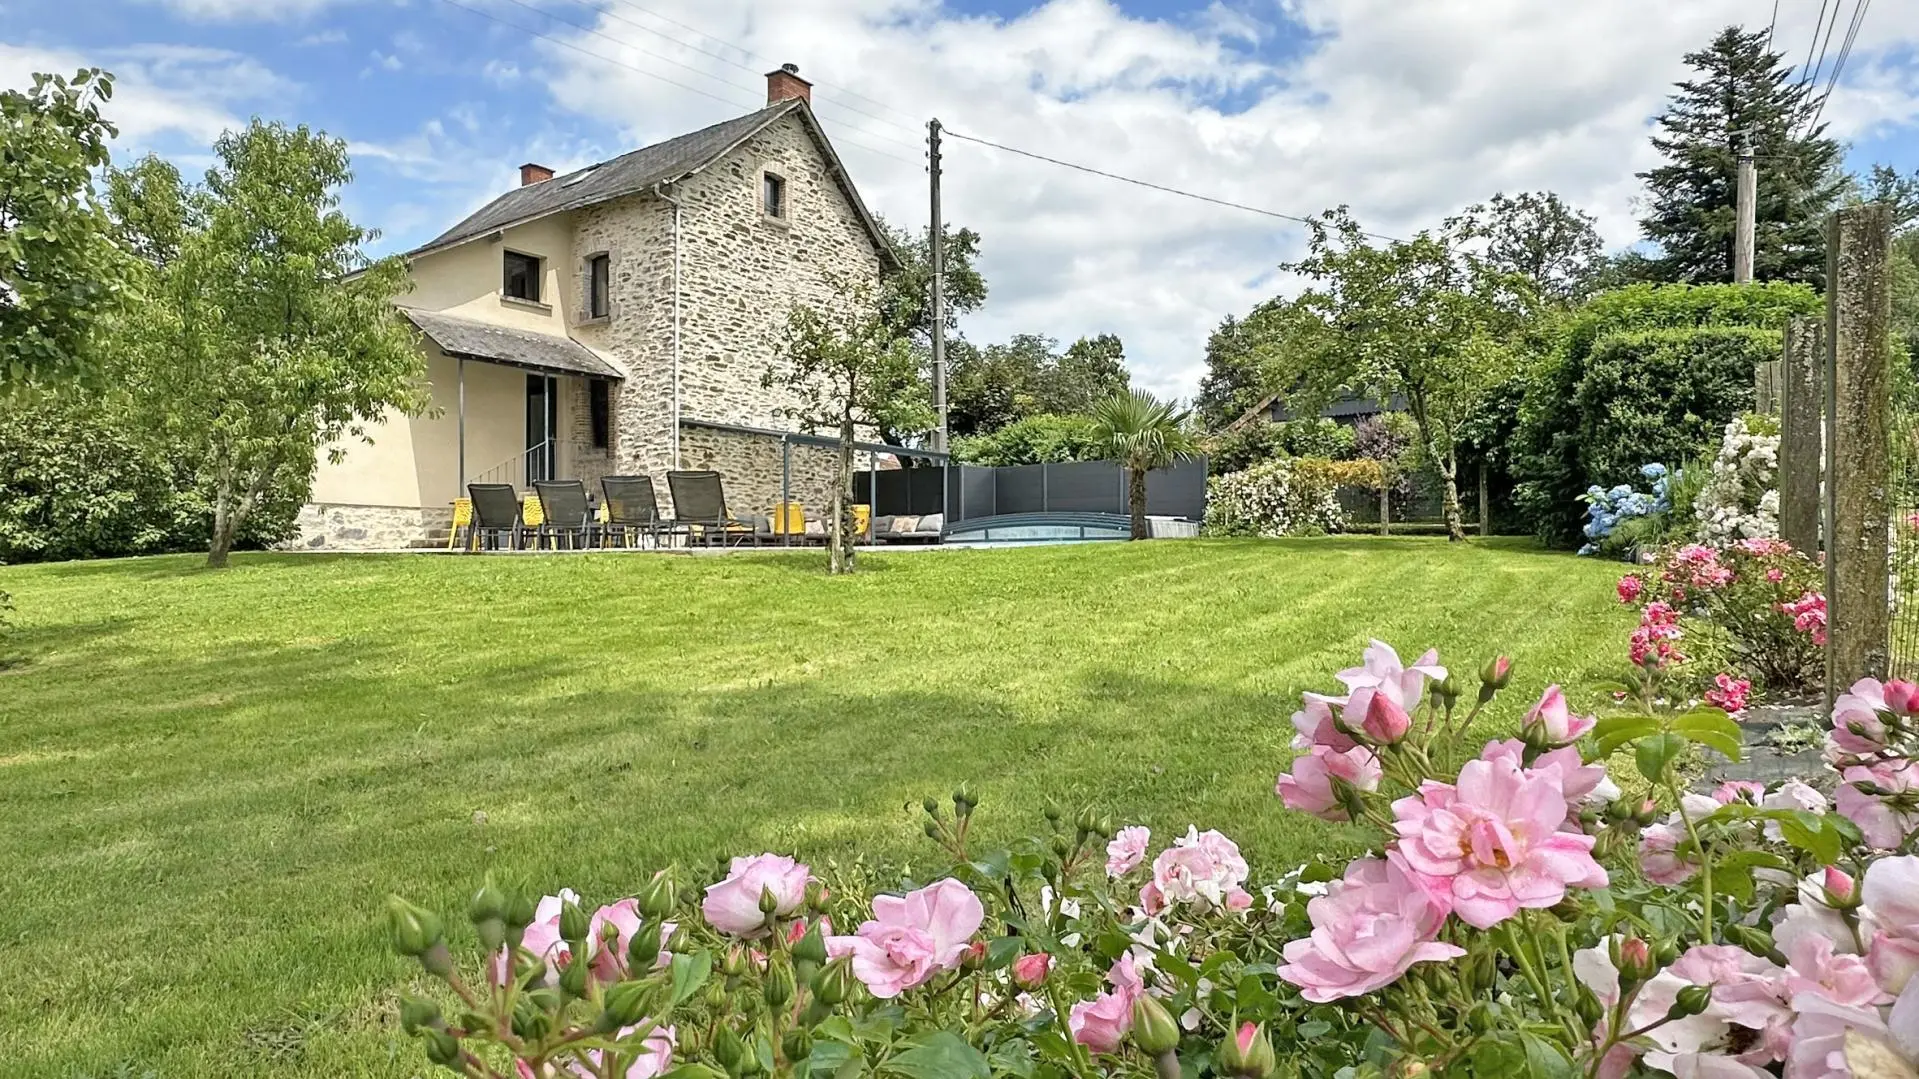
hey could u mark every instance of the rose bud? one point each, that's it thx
(778, 987)
(1497, 672)
(1636, 960)
(1246, 1053)
(442, 1048)
(1154, 1031)
(835, 981)
(1386, 723)
(574, 924)
(658, 898)
(413, 929)
(1030, 970)
(416, 1013)
(626, 1004)
(1841, 893)
(811, 947)
(1690, 1001)
(974, 958)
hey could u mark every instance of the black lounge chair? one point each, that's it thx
(496, 513)
(567, 519)
(632, 509)
(699, 507)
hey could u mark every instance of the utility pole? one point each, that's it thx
(1748, 195)
(937, 240)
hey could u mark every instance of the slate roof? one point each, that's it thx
(477, 340)
(640, 170)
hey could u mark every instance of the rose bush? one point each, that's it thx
(1515, 916)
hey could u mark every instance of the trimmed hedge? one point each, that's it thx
(1681, 372)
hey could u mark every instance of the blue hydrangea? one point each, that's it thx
(1605, 509)
(1653, 471)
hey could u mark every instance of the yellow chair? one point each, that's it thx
(462, 517)
(532, 515)
(862, 518)
(789, 519)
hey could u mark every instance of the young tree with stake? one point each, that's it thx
(846, 367)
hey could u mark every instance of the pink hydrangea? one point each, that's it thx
(1127, 850)
(1309, 786)
(1493, 844)
(1202, 868)
(1101, 1024)
(733, 905)
(913, 937)
(1629, 588)
(1555, 720)
(1368, 930)
(1729, 693)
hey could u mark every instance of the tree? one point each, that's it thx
(846, 366)
(1250, 359)
(1091, 369)
(906, 295)
(269, 334)
(1143, 433)
(1740, 87)
(1884, 184)
(59, 270)
(1422, 319)
(1541, 237)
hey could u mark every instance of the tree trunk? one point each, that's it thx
(1136, 495)
(841, 539)
(223, 527)
(1449, 495)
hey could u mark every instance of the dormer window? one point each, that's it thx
(522, 277)
(773, 195)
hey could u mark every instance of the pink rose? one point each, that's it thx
(912, 937)
(1492, 844)
(609, 958)
(1309, 787)
(733, 905)
(542, 938)
(1819, 1029)
(1890, 894)
(1814, 966)
(1556, 721)
(1127, 850)
(1380, 666)
(1902, 697)
(1743, 791)
(1200, 867)
(1368, 929)
(1030, 970)
(1316, 725)
(1102, 1023)
(1659, 856)
(1878, 815)
(655, 1059)
(1856, 724)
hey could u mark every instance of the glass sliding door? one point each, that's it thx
(542, 427)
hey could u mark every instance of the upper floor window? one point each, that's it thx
(599, 301)
(773, 194)
(522, 281)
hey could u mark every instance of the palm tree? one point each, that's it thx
(1142, 433)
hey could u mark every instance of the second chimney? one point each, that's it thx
(785, 84)
(531, 174)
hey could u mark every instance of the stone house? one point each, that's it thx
(615, 320)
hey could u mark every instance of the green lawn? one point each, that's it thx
(208, 781)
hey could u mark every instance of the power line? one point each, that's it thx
(1153, 186)
(1859, 9)
(744, 51)
(1772, 24)
(729, 61)
(1811, 77)
(642, 71)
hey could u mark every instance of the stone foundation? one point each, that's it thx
(367, 528)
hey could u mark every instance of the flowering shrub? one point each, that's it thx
(1289, 496)
(1752, 610)
(1516, 917)
(1741, 497)
(1607, 510)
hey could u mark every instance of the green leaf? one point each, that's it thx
(689, 973)
(1711, 727)
(942, 1056)
(1001, 951)
(828, 1057)
(1654, 755)
(1810, 832)
(1544, 1059)
(694, 1070)
(1178, 967)
(1616, 732)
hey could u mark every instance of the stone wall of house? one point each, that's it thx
(740, 274)
(750, 469)
(330, 527)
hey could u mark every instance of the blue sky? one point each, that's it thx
(1407, 111)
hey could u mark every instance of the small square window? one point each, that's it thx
(599, 302)
(773, 195)
(522, 277)
(599, 402)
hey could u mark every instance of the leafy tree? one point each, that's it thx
(59, 270)
(1539, 236)
(1882, 183)
(1248, 360)
(1090, 370)
(1044, 438)
(1424, 319)
(906, 296)
(1143, 433)
(269, 334)
(847, 367)
(1740, 87)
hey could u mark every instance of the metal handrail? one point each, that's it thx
(519, 470)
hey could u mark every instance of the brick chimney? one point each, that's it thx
(534, 174)
(786, 83)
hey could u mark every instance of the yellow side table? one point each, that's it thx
(789, 519)
(462, 517)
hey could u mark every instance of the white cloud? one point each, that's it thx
(164, 95)
(323, 37)
(236, 10)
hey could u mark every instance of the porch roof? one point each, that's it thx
(476, 340)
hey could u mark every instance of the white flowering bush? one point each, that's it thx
(1741, 498)
(1285, 497)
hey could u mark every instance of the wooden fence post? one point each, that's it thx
(1801, 442)
(1485, 503)
(1858, 385)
